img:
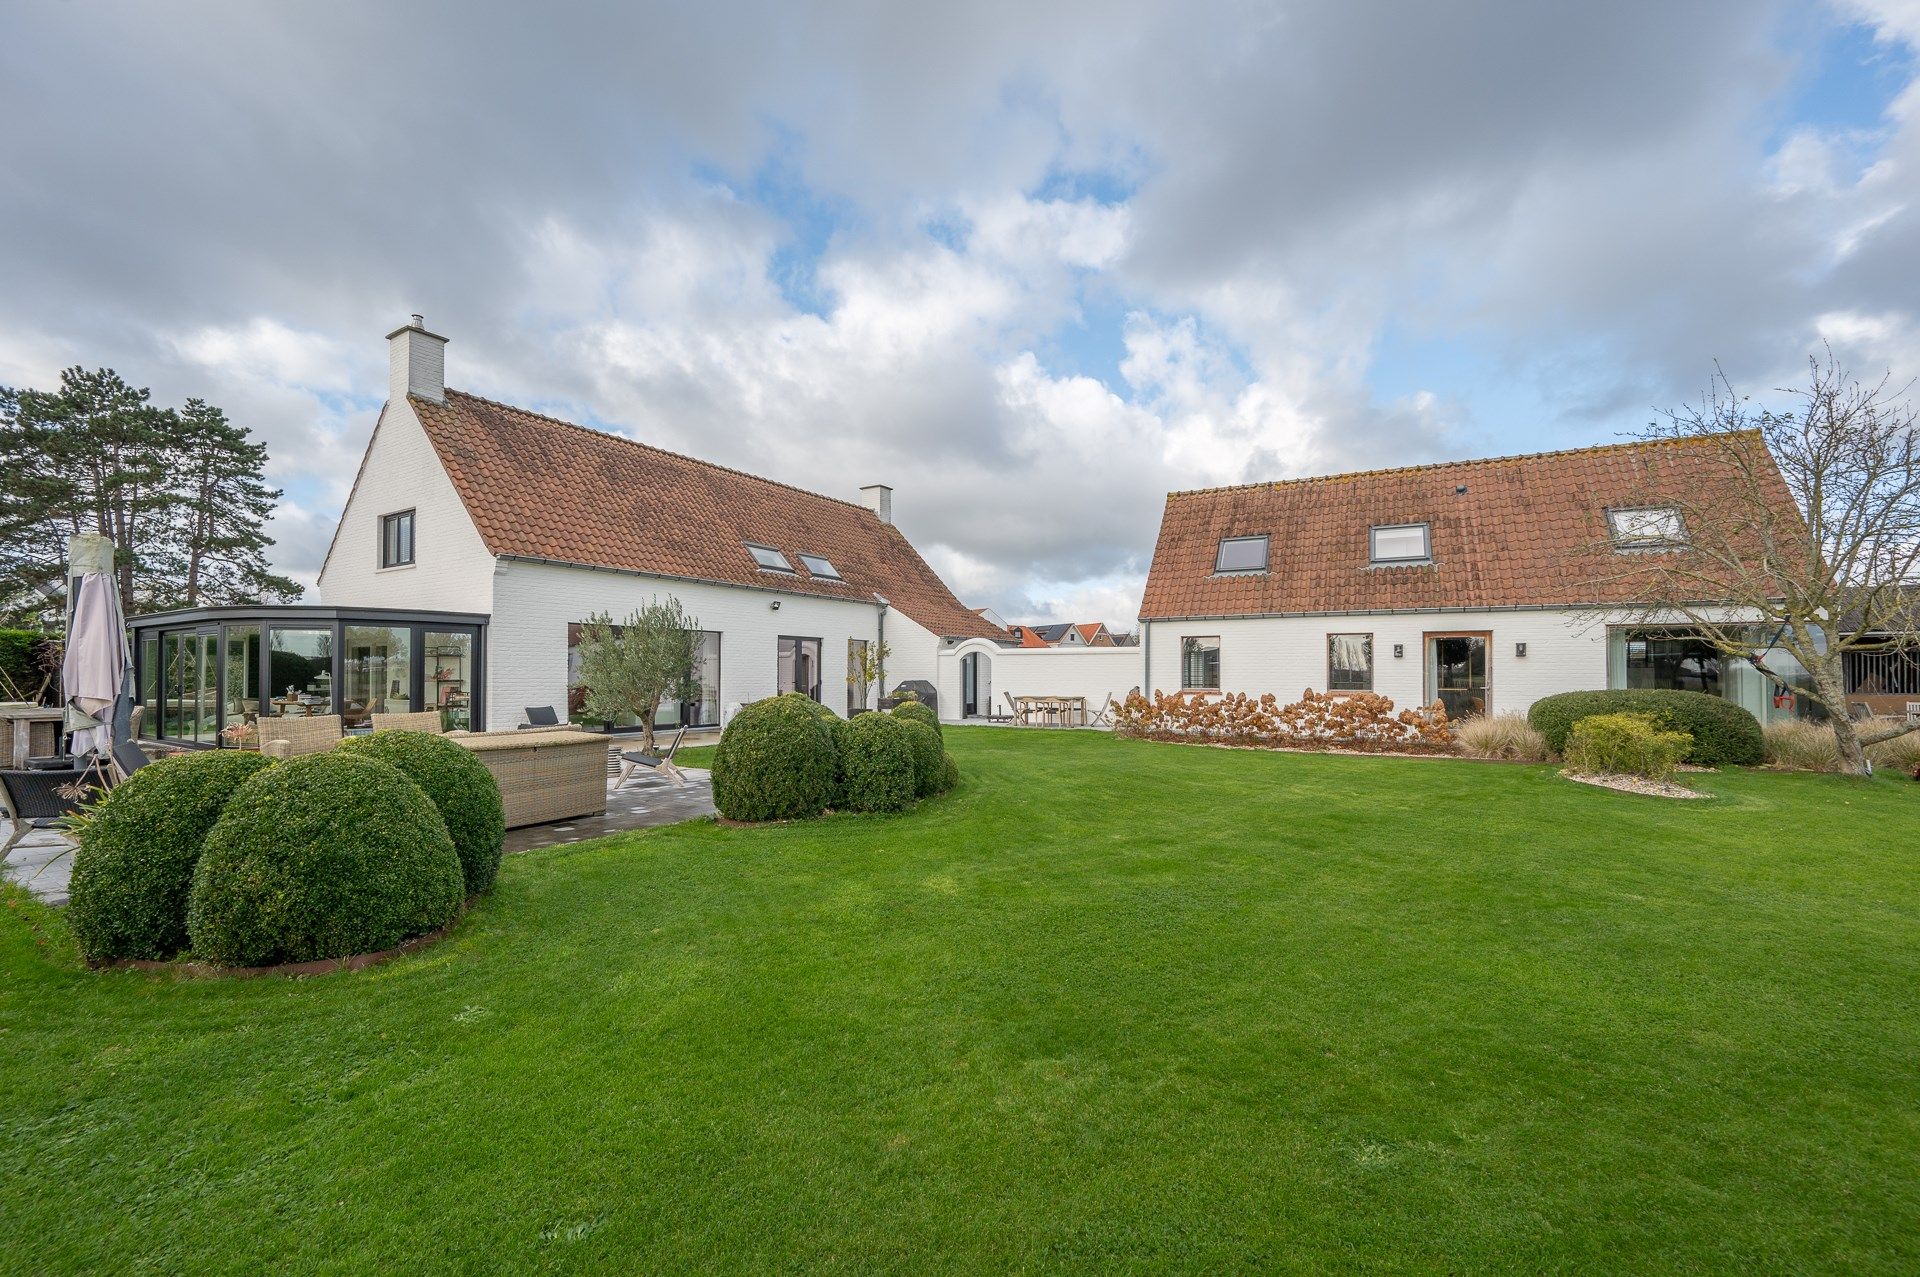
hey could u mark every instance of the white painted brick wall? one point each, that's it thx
(1566, 652)
(1093, 672)
(534, 602)
(451, 571)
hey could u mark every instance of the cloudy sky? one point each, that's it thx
(1034, 265)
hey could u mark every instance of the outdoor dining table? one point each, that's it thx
(1050, 711)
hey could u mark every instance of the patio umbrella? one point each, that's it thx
(95, 673)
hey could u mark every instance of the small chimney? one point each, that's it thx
(878, 497)
(416, 362)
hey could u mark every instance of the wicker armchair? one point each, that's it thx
(426, 720)
(312, 735)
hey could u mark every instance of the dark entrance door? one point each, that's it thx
(1457, 673)
(975, 694)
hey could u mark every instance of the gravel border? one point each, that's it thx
(1635, 784)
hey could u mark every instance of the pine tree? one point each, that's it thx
(217, 542)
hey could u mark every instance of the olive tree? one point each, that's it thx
(632, 667)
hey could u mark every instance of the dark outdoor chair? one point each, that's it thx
(33, 799)
(542, 716)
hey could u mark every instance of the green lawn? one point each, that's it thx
(1108, 1005)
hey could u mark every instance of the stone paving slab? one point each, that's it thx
(42, 862)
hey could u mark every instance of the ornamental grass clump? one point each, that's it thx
(133, 867)
(325, 856)
(1507, 737)
(460, 787)
(1626, 745)
(1798, 745)
(877, 763)
(776, 761)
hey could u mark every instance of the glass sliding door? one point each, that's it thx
(377, 673)
(240, 695)
(448, 667)
(1457, 674)
(799, 665)
(299, 672)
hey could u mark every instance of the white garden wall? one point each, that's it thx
(1093, 672)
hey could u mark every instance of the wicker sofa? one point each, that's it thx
(544, 774)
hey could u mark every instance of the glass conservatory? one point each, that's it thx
(206, 676)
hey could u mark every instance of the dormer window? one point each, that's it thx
(769, 558)
(1241, 554)
(818, 566)
(1647, 528)
(1401, 543)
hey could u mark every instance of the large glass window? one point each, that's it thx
(1200, 663)
(299, 672)
(378, 671)
(702, 709)
(799, 661)
(1401, 543)
(448, 662)
(1350, 662)
(242, 703)
(150, 685)
(1673, 660)
(191, 672)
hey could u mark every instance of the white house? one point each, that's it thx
(1482, 584)
(468, 506)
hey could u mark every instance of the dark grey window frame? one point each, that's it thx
(830, 573)
(1331, 636)
(388, 522)
(1220, 553)
(1426, 539)
(819, 652)
(1214, 686)
(784, 567)
(1628, 545)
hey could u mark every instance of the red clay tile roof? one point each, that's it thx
(1527, 531)
(1088, 629)
(1024, 636)
(541, 488)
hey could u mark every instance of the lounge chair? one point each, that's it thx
(542, 716)
(634, 763)
(33, 799)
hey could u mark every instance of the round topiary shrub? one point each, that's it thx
(775, 761)
(461, 789)
(810, 705)
(949, 772)
(134, 864)
(323, 856)
(923, 743)
(1722, 732)
(917, 712)
(876, 759)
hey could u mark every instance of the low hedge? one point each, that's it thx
(133, 867)
(461, 789)
(1722, 732)
(877, 761)
(923, 744)
(918, 712)
(323, 856)
(775, 761)
(1626, 745)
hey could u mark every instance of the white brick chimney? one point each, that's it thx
(878, 497)
(416, 362)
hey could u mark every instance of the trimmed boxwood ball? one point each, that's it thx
(461, 789)
(924, 744)
(876, 758)
(1722, 732)
(323, 856)
(775, 761)
(134, 864)
(949, 772)
(918, 712)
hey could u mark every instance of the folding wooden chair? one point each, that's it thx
(634, 763)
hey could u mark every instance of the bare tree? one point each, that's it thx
(1803, 539)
